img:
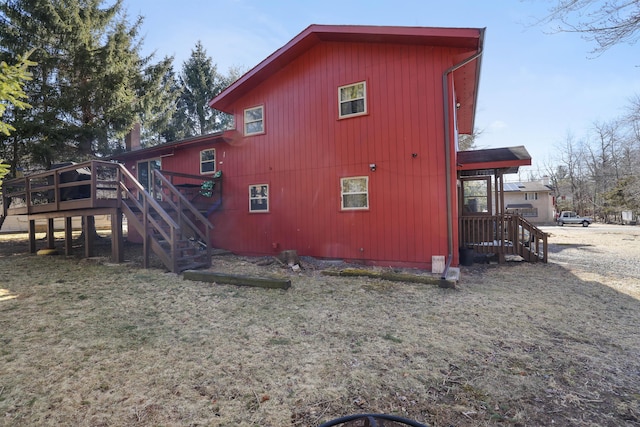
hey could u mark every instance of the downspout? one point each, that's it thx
(447, 148)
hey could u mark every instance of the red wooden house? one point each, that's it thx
(345, 146)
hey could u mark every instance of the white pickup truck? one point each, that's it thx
(570, 217)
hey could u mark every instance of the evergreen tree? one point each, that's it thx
(12, 80)
(90, 85)
(157, 111)
(178, 126)
(200, 82)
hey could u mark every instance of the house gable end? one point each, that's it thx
(464, 39)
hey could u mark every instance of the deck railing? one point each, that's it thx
(91, 184)
(502, 235)
(170, 228)
(203, 192)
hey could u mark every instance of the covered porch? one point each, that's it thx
(484, 226)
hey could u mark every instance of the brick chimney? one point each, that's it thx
(132, 139)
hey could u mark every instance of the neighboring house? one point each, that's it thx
(345, 146)
(533, 200)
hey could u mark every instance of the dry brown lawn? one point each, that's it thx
(90, 343)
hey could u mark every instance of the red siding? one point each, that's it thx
(306, 150)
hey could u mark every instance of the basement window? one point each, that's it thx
(352, 100)
(355, 193)
(208, 161)
(254, 120)
(259, 198)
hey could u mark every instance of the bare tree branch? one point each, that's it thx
(606, 23)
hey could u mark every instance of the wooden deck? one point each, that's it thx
(92, 185)
(170, 222)
(82, 190)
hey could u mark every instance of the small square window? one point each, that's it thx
(254, 120)
(355, 193)
(352, 100)
(259, 198)
(208, 161)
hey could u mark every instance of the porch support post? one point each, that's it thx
(68, 235)
(50, 237)
(502, 207)
(89, 229)
(499, 186)
(117, 241)
(32, 236)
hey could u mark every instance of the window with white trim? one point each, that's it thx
(254, 120)
(531, 196)
(352, 100)
(208, 161)
(259, 198)
(354, 193)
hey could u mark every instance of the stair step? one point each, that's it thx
(192, 258)
(194, 266)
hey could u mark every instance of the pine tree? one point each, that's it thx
(12, 80)
(90, 85)
(200, 82)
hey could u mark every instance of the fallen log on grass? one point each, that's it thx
(234, 279)
(387, 275)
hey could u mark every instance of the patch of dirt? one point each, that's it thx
(89, 342)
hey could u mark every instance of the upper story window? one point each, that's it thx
(208, 161)
(531, 196)
(259, 198)
(355, 193)
(254, 120)
(352, 100)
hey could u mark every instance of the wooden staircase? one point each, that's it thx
(171, 226)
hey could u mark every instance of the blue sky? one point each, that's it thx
(536, 87)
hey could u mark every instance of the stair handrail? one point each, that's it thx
(146, 196)
(527, 244)
(504, 233)
(148, 203)
(183, 203)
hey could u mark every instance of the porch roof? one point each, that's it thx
(493, 160)
(168, 148)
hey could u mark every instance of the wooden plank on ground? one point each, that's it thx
(233, 279)
(385, 275)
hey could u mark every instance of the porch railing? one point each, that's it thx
(89, 185)
(203, 192)
(502, 235)
(169, 233)
(172, 228)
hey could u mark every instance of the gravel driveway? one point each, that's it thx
(602, 249)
